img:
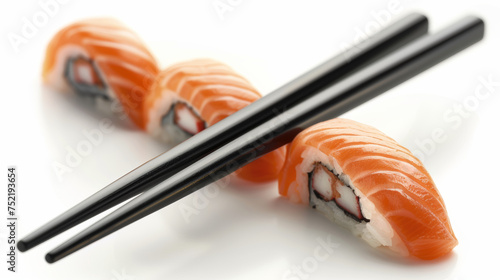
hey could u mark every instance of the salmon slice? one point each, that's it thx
(190, 96)
(101, 59)
(365, 181)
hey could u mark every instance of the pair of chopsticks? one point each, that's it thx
(378, 64)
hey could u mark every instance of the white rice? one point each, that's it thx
(56, 79)
(165, 130)
(377, 232)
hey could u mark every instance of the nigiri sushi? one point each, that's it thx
(365, 181)
(103, 61)
(190, 96)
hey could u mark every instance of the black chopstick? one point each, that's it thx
(331, 102)
(160, 168)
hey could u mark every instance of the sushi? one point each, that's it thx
(190, 96)
(365, 181)
(103, 62)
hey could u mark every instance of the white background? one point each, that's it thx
(249, 232)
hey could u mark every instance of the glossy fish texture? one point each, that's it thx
(384, 172)
(212, 91)
(102, 59)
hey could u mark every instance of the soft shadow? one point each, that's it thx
(52, 100)
(299, 213)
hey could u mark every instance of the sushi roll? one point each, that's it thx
(365, 181)
(190, 96)
(103, 62)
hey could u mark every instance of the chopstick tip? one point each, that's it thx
(50, 258)
(22, 246)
